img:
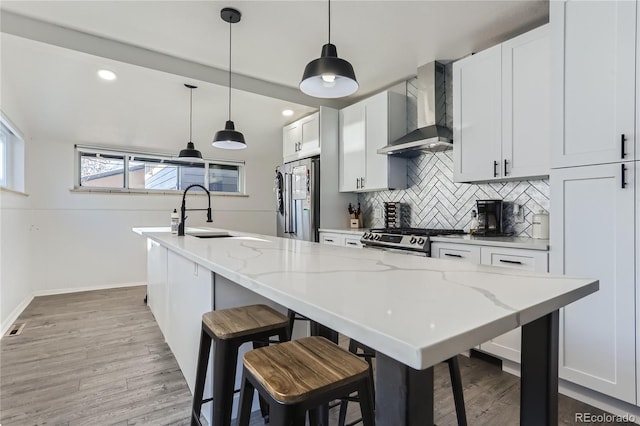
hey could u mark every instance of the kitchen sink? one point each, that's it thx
(212, 234)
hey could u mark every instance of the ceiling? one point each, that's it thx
(384, 40)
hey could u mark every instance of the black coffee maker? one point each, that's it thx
(495, 218)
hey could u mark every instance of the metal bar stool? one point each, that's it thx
(369, 354)
(300, 376)
(230, 328)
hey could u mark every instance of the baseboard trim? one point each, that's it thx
(13, 316)
(588, 396)
(599, 400)
(89, 288)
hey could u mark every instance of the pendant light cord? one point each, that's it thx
(229, 69)
(329, 21)
(190, 112)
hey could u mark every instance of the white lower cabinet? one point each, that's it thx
(506, 346)
(463, 252)
(189, 296)
(349, 239)
(157, 282)
(592, 235)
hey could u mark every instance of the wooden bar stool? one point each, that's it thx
(230, 328)
(300, 376)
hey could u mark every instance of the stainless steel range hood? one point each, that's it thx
(432, 134)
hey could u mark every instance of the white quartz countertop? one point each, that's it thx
(417, 310)
(350, 231)
(511, 242)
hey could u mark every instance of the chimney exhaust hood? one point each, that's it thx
(432, 134)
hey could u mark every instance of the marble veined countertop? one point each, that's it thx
(417, 310)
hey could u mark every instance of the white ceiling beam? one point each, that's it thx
(46, 32)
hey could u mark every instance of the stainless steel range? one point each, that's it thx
(407, 240)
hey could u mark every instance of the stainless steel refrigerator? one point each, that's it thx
(297, 188)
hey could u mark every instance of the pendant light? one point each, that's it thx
(190, 151)
(229, 138)
(329, 76)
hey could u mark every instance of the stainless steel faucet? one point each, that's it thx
(183, 208)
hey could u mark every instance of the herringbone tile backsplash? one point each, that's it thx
(433, 200)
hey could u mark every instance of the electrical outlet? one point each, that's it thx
(518, 214)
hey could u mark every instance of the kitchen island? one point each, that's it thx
(414, 311)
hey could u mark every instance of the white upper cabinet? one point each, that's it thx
(365, 127)
(594, 73)
(501, 101)
(526, 104)
(301, 139)
(352, 146)
(477, 118)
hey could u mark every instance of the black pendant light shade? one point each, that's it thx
(329, 76)
(190, 152)
(229, 138)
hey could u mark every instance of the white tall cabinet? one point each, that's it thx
(594, 196)
(594, 76)
(592, 236)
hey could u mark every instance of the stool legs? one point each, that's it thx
(224, 377)
(456, 386)
(366, 402)
(201, 375)
(246, 399)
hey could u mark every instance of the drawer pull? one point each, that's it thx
(514, 262)
(351, 243)
(453, 255)
(329, 240)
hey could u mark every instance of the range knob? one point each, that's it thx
(420, 241)
(377, 237)
(367, 236)
(412, 240)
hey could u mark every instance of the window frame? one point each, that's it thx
(13, 155)
(130, 155)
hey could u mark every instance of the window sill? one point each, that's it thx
(85, 190)
(13, 191)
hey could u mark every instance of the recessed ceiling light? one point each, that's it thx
(107, 75)
(287, 112)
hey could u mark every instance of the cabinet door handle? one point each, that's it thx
(623, 175)
(622, 141)
(357, 183)
(495, 169)
(361, 183)
(514, 262)
(453, 255)
(505, 167)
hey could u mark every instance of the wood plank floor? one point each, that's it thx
(98, 358)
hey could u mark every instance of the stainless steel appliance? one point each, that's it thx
(495, 218)
(404, 240)
(433, 133)
(297, 187)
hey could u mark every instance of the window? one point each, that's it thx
(11, 155)
(107, 169)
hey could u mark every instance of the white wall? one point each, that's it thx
(84, 240)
